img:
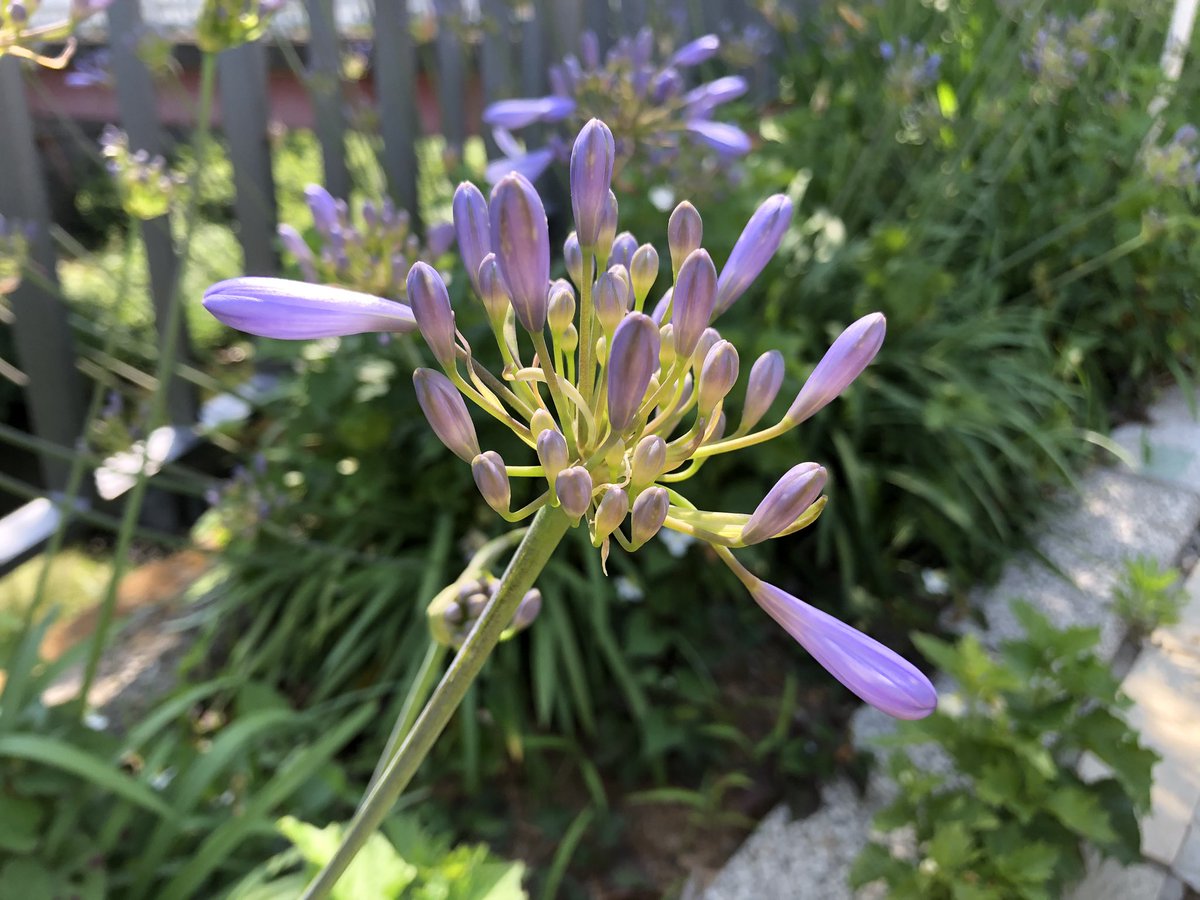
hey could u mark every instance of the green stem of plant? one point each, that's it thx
(80, 459)
(544, 535)
(163, 372)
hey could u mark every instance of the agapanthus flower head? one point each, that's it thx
(146, 186)
(661, 124)
(223, 24)
(453, 612)
(619, 408)
(368, 248)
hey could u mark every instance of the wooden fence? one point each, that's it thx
(501, 45)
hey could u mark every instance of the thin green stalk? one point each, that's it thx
(418, 693)
(158, 402)
(547, 530)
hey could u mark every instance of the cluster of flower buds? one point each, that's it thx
(145, 184)
(20, 38)
(1063, 48)
(371, 251)
(223, 24)
(456, 609)
(660, 121)
(616, 406)
(1176, 163)
(14, 253)
(911, 69)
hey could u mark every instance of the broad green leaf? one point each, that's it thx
(951, 846)
(377, 870)
(1081, 811)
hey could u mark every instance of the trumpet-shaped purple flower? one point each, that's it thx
(299, 311)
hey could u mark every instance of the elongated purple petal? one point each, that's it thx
(473, 228)
(521, 240)
(721, 136)
(531, 165)
(299, 311)
(787, 500)
(842, 363)
(519, 113)
(446, 413)
(695, 297)
(631, 363)
(754, 248)
(879, 676)
(323, 208)
(592, 160)
(722, 90)
(698, 51)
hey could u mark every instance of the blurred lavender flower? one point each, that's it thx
(661, 125)
(1175, 164)
(911, 70)
(618, 408)
(145, 184)
(90, 69)
(1063, 48)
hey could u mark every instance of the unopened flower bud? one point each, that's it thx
(632, 361)
(649, 460)
(446, 413)
(649, 513)
(574, 489)
(573, 257)
(663, 306)
(472, 228)
(323, 207)
(552, 453)
(527, 610)
(785, 502)
(643, 272)
(608, 229)
(842, 363)
(591, 177)
(624, 246)
(431, 306)
(612, 296)
(569, 340)
(685, 231)
(493, 292)
(540, 421)
(694, 53)
(299, 311)
(611, 512)
(666, 347)
(717, 377)
(694, 297)
(754, 248)
(708, 340)
(492, 480)
(521, 239)
(561, 309)
(716, 430)
(766, 377)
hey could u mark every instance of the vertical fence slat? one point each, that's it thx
(245, 111)
(495, 58)
(325, 90)
(139, 118)
(451, 80)
(632, 16)
(396, 90)
(533, 60)
(565, 18)
(45, 350)
(598, 18)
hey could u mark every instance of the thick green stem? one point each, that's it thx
(535, 550)
(163, 374)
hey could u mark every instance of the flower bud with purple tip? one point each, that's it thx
(560, 312)
(472, 228)
(649, 461)
(610, 512)
(842, 363)
(643, 272)
(573, 258)
(299, 311)
(446, 413)
(521, 240)
(754, 248)
(876, 674)
(514, 114)
(527, 611)
(631, 362)
(726, 139)
(685, 231)
(491, 478)
(431, 307)
(612, 297)
(695, 296)
(787, 500)
(766, 377)
(574, 489)
(608, 229)
(649, 513)
(592, 160)
(552, 453)
(623, 249)
(323, 207)
(717, 376)
(493, 292)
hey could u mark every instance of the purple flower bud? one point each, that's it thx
(472, 227)
(561, 308)
(552, 453)
(754, 248)
(704, 98)
(431, 306)
(492, 480)
(695, 297)
(589, 47)
(514, 114)
(872, 671)
(726, 139)
(574, 489)
(792, 494)
(294, 244)
(299, 311)
(667, 83)
(660, 308)
(529, 165)
(696, 52)
(439, 239)
(643, 272)
(623, 249)
(649, 460)
(612, 298)
(591, 177)
(717, 377)
(649, 512)
(493, 292)
(521, 239)
(707, 341)
(573, 258)
(608, 229)
(323, 207)
(842, 363)
(446, 413)
(666, 346)
(631, 361)
(685, 231)
(611, 512)
(766, 377)
(527, 610)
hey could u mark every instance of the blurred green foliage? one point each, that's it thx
(1148, 595)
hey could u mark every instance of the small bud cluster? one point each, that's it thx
(145, 184)
(661, 123)
(14, 253)
(1063, 48)
(369, 251)
(456, 609)
(223, 24)
(20, 38)
(616, 405)
(1176, 163)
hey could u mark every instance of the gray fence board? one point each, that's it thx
(533, 60)
(396, 89)
(495, 58)
(325, 90)
(245, 110)
(45, 350)
(451, 75)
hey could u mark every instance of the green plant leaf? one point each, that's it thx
(377, 871)
(1082, 812)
